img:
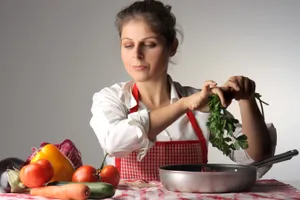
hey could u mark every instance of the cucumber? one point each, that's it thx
(99, 190)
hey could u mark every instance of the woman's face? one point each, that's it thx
(144, 53)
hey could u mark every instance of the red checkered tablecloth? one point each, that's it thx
(133, 190)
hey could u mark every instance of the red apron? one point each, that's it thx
(163, 153)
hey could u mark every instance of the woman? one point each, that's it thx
(152, 120)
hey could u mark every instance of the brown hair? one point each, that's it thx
(155, 13)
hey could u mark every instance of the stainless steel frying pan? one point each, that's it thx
(216, 178)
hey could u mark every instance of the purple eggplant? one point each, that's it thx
(8, 163)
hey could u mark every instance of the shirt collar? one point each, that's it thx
(126, 94)
(174, 91)
(127, 97)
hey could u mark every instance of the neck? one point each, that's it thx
(155, 93)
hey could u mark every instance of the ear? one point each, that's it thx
(174, 47)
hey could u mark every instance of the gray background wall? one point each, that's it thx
(54, 55)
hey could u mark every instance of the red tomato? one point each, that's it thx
(110, 174)
(36, 174)
(85, 173)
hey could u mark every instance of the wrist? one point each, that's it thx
(247, 102)
(184, 104)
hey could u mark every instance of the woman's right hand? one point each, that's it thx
(199, 100)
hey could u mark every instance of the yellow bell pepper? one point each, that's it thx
(63, 168)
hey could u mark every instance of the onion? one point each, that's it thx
(8, 163)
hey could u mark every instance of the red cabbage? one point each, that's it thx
(68, 148)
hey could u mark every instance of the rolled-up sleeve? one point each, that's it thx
(241, 156)
(119, 133)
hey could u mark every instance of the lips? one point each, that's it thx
(139, 67)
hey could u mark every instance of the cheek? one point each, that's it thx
(126, 59)
(125, 56)
(160, 59)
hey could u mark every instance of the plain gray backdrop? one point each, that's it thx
(55, 54)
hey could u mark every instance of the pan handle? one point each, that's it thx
(276, 159)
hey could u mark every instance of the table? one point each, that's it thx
(264, 189)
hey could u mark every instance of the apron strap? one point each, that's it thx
(199, 134)
(135, 93)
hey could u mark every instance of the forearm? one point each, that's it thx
(253, 125)
(163, 117)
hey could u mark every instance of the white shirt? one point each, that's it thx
(120, 132)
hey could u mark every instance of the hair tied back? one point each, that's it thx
(168, 7)
(149, 1)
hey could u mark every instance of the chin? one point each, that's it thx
(140, 77)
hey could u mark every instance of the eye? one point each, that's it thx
(150, 44)
(128, 46)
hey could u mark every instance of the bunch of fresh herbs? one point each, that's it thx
(222, 127)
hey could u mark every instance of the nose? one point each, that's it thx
(138, 53)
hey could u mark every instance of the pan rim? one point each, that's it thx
(232, 166)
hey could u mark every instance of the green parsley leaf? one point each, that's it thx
(222, 127)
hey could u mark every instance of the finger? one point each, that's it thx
(219, 92)
(208, 85)
(234, 84)
(247, 86)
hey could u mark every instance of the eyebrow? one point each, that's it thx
(150, 37)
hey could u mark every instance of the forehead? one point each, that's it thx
(137, 30)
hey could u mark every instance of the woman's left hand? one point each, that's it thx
(241, 87)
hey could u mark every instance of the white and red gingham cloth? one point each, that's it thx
(182, 152)
(138, 190)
